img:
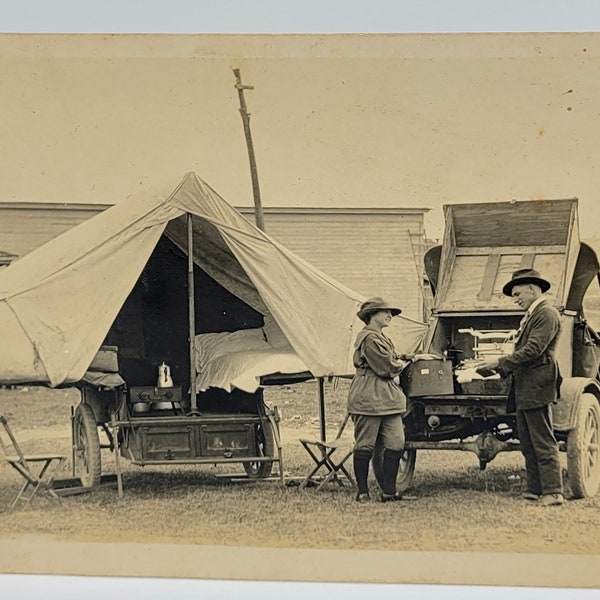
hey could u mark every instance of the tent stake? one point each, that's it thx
(192, 315)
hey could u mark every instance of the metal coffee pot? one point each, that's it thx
(164, 376)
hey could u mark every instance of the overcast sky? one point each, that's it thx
(372, 121)
(379, 133)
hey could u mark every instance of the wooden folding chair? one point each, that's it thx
(322, 453)
(36, 469)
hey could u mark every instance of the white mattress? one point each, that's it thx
(240, 358)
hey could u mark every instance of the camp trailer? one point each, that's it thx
(183, 285)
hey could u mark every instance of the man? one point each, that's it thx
(536, 383)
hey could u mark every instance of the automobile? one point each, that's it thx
(471, 319)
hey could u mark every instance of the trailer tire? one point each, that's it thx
(583, 459)
(86, 446)
(265, 444)
(405, 472)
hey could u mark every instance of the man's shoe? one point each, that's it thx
(396, 497)
(551, 500)
(530, 496)
(363, 497)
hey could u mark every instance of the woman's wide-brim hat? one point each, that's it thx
(373, 305)
(524, 276)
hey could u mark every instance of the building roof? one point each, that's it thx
(243, 209)
(52, 206)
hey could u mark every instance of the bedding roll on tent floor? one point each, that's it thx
(171, 314)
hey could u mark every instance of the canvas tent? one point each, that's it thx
(62, 301)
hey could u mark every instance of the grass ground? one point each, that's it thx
(459, 507)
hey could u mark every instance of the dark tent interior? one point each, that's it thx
(152, 325)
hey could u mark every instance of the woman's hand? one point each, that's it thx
(400, 364)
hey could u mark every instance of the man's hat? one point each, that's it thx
(524, 276)
(373, 305)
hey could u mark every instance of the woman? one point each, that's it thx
(375, 400)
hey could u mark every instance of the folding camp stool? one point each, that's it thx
(36, 469)
(322, 453)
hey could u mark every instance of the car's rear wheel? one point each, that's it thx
(583, 459)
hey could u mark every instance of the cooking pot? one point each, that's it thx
(141, 407)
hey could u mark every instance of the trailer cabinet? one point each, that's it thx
(164, 442)
(227, 439)
(164, 439)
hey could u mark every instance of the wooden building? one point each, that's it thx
(375, 251)
(27, 225)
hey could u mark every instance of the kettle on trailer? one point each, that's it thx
(164, 376)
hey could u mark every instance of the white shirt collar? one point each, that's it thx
(534, 304)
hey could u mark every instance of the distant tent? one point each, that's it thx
(58, 303)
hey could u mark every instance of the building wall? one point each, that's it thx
(25, 226)
(375, 252)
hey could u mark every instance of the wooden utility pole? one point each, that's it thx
(258, 213)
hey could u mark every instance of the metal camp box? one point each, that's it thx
(428, 378)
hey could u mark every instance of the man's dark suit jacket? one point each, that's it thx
(533, 366)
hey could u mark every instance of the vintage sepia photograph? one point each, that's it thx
(301, 306)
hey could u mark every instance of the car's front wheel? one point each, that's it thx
(405, 472)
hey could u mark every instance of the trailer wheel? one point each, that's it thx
(87, 446)
(265, 445)
(583, 464)
(405, 472)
